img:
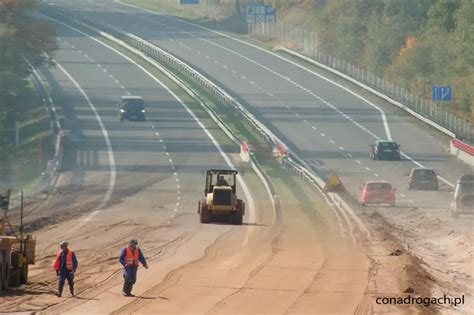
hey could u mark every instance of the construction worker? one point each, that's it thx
(65, 265)
(129, 259)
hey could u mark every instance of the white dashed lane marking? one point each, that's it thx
(178, 192)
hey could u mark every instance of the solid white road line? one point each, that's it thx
(110, 152)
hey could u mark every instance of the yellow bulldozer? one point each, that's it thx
(220, 198)
(17, 250)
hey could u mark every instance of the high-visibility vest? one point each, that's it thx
(69, 262)
(131, 259)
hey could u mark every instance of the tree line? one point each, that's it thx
(414, 43)
(22, 37)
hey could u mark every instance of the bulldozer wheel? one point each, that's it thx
(238, 216)
(241, 206)
(24, 273)
(3, 275)
(204, 215)
(14, 277)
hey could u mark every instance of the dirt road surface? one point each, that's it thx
(150, 176)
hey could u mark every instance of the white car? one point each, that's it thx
(463, 197)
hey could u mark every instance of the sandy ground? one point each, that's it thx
(443, 246)
(305, 262)
(300, 265)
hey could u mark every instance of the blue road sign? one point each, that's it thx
(188, 1)
(442, 93)
(259, 12)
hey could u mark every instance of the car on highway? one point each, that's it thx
(422, 178)
(384, 150)
(132, 108)
(463, 196)
(377, 192)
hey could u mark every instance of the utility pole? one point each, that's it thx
(237, 6)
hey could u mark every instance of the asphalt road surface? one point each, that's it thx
(124, 180)
(327, 126)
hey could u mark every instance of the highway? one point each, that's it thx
(124, 180)
(327, 126)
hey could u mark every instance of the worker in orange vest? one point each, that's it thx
(65, 265)
(129, 259)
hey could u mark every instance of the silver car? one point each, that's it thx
(463, 197)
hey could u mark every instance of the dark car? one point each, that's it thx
(422, 178)
(463, 196)
(385, 150)
(132, 108)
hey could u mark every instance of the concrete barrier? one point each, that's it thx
(462, 151)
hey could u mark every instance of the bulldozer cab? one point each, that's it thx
(220, 178)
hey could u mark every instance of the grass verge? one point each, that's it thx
(22, 166)
(291, 190)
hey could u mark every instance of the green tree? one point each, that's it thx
(21, 37)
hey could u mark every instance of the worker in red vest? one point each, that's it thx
(129, 259)
(65, 265)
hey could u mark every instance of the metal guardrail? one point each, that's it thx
(306, 42)
(293, 163)
(52, 166)
(165, 57)
(421, 117)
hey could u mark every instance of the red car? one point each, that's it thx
(377, 192)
